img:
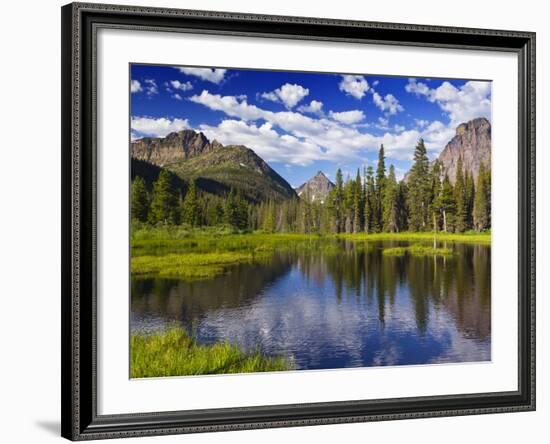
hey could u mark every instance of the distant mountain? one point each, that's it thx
(175, 147)
(472, 143)
(214, 167)
(316, 189)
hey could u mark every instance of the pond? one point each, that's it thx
(345, 306)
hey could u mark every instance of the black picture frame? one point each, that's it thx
(80, 22)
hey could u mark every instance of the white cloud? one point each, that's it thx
(355, 86)
(230, 105)
(383, 123)
(471, 100)
(421, 123)
(388, 104)
(135, 86)
(288, 94)
(156, 127)
(177, 96)
(267, 143)
(314, 107)
(420, 89)
(151, 87)
(213, 75)
(348, 117)
(337, 141)
(325, 138)
(186, 86)
(398, 128)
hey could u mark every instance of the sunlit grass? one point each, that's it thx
(470, 236)
(396, 251)
(191, 266)
(417, 250)
(174, 353)
(202, 253)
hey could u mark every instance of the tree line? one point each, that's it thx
(372, 202)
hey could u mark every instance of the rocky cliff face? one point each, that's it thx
(173, 148)
(316, 189)
(472, 143)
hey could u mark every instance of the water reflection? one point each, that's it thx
(348, 306)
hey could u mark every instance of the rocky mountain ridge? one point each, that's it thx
(214, 167)
(316, 189)
(471, 143)
(175, 147)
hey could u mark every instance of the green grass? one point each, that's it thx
(157, 240)
(417, 250)
(202, 253)
(396, 251)
(470, 236)
(191, 266)
(174, 353)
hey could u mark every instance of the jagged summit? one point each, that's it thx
(471, 143)
(316, 189)
(176, 146)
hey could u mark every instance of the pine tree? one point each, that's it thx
(481, 208)
(269, 217)
(140, 200)
(358, 204)
(418, 198)
(469, 196)
(191, 207)
(347, 207)
(447, 204)
(370, 197)
(461, 212)
(390, 210)
(306, 214)
(236, 211)
(336, 201)
(402, 212)
(380, 184)
(435, 195)
(164, 205)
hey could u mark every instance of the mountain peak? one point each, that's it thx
(176, 146)
(215, 168)
(316, 189)
(472, 144)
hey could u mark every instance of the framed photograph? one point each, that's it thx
(282, 221)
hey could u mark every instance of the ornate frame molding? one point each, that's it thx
(79, 395)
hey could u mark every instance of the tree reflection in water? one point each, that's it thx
(339, 307)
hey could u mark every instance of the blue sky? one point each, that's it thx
(304, 122)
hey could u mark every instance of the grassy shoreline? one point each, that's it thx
(213, 237)
(175, 353)
(194, 254)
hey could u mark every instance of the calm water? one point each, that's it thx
(349, 308)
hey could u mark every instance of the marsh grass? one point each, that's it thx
(192, 265)
(202, 253)
(175, 353)
(395, 251)
(417, 250)
(469, 236)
